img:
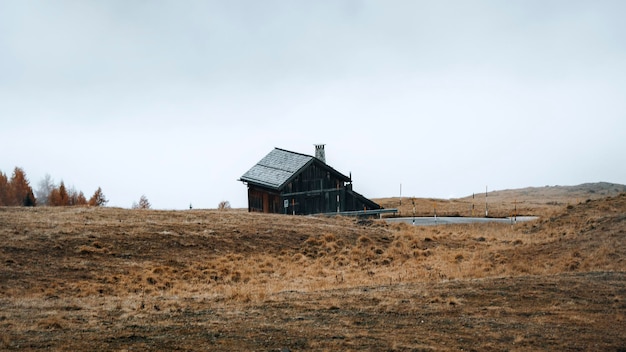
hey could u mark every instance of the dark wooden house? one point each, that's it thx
(292, 183)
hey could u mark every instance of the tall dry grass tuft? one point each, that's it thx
(5, 340)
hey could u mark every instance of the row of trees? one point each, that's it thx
(16, 191)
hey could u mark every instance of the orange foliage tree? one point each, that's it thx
(77, 198)
(98, 199)
(4, 189)
(19, 192)
(58, 196)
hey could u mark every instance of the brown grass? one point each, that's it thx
(104, 278)
(539, 201)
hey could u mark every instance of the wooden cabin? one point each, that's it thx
(286, 182)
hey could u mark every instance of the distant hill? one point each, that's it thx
(559, 194)
(501, 203)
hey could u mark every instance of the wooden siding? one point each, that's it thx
(312, 191)
(263, 201)
(312, 178)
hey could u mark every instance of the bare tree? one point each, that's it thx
(76, 197)
(223, 205)
(72, 196)
(46, 185)
(143, 203)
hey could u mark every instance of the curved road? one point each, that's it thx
(445, 220)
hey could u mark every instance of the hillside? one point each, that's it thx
(111, 279)
(539, 201)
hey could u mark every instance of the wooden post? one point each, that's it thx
(486, 207)
(472, 204)
(413, 201)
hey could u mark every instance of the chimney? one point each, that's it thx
(320, 153)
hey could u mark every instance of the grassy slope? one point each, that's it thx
(540, 201)
(88, 278)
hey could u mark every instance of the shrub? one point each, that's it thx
(143, 203)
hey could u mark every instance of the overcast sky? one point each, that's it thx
(176, 100)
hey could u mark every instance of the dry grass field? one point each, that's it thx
(112, 279)
(539, 201)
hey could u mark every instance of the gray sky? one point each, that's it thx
(177, 99)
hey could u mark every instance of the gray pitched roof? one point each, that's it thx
(276, 168)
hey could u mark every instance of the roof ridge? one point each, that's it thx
(292, 152)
